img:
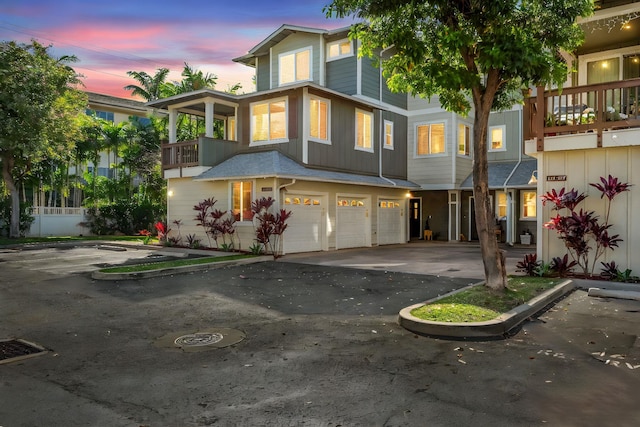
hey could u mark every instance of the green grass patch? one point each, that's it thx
(170, 264)
(480, 303)
(4, 241)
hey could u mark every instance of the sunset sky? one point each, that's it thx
(115, 36)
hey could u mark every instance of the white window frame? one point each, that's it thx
(295, 53)
(356, 146)
(248, 208)
(415, 139)
(253, 143)
(340, 54)
(535, 198)
(461, 128)
(232, 131)
(388, 135)
(490, 148)
(317, 138)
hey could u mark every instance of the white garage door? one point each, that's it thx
(304, 231)
(352, 230)
(390, 222)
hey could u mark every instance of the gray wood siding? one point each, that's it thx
(262, 74)
(341, 75)
(341, 154)
(370, 79)
(394, 162)
(511, 119)
(294, 42)
(395, 99)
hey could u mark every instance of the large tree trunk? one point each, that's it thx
(14, 224)
(492, 256)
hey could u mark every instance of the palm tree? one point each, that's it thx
(150, 87)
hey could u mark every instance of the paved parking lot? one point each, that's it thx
(322, 348)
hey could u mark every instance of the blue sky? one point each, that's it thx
(112, 37)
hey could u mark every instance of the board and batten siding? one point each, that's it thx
(581, 168)
(341, 76)
(294, 42)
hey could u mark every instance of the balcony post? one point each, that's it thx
(208, 118)
(538, 118)
(173, 125)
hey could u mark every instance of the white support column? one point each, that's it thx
(173, 125)
(208, 118)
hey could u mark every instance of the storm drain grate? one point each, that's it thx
(12, 350)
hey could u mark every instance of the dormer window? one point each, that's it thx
(339, 49)
(295, 66)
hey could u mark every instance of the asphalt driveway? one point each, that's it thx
(322, 348)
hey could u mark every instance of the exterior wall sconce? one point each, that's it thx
(534, 178)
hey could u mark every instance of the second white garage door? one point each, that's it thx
(391, 224)
(352, 223)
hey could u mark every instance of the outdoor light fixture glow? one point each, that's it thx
(170, 193)
(534, 178)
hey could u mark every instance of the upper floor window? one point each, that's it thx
(295, 66)
(496, 138)
(319, 119)
(364, 130)
(231, 129)
(339, 49)
(104, 115)
(464, 139)
(388, 135)
(241, 197)
(269, 121)
(430, 139)
(528, 204)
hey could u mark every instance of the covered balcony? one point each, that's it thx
(583, 117)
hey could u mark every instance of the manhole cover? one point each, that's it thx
(12, 350)
(198, 339)
(210, 338)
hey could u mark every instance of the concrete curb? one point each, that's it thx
(98, 275)
(495, 328)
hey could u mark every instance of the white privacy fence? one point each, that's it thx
(57, 222)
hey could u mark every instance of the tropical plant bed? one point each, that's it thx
(477, 311)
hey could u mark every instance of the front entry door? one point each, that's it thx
(414, 218)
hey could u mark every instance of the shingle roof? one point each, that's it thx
(507, 174)
(275, 164)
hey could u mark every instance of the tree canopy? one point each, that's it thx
(39, 109)
(474, 55)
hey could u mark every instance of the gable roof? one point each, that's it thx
(275, 164)
(507, 174)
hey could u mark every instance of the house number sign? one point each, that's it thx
(556, 177)
(266, 189)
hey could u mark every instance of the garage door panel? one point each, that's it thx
(390, 223)
(304, 232)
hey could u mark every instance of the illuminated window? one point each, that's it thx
(388, 134)
(269, 121)
(231, 131)
(241, 200)
(339, 49)
(295, 66)
(319, 119)
(501, 202)
(430, 139)
(496, 138)
(464, 139)
(364, 130)
(529, 204)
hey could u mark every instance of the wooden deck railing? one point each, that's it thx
(581, 109)
(180, 154)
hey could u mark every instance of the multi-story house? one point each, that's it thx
(591, 129)
(321, 135)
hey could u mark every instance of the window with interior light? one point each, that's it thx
(295, 66)
(364, 130)
(501, 203)
(319, 120)
(339, 49)
(269, 121)
(528, 199)
(496, 140)
(430, 139)
(464, 139)
(241, 197)
(231, 129)
(388, 135)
